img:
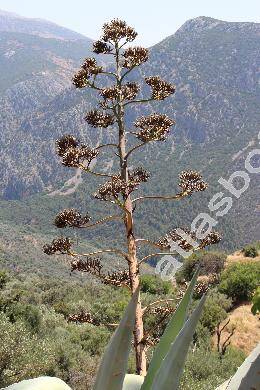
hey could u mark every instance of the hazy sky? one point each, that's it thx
(153, 20)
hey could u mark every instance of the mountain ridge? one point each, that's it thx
(11, 22)
(216, 113)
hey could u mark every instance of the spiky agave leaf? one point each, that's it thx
(113, 365)
(173, 328)
(247, 376)
(169, 374)
(41, 383)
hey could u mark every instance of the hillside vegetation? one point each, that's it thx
(34, 314)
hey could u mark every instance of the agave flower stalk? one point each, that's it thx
(115, 99)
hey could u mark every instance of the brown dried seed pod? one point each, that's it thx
(116, 30)
(80, 79)
(110, 93)
(154, 127)
(139, 175)
(212, 238)
(90, 265)
(135, 56)
(70, 217)
(111, 189)
(82, 318)
(160, 88)
(76, 156)
(118, 278)
(173, 236)
(191, 181)
(62, 245)
(64, 143)
(100, 47)
(130, 90)
(88, 69)
(90, 66)
(99, 119)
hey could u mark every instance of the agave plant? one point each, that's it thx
(168, 359)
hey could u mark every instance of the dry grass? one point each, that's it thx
(247, 328)
(238, 257)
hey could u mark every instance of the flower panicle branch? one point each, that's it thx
(117, 186)
(73, 154)
(154, 127)
(97, 118)
(174, 236)
(190, 182)
(160, 88)
(94, 267)
(135, 56)
(83, 318)
(71, 218)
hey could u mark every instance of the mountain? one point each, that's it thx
(10, 22)
(214, 67)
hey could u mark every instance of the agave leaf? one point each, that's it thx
(133, 382)
(113, 365)
(173, 328)
(41, 383)
(169, 374)
(248, 375)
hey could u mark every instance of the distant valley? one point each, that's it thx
(214, 65)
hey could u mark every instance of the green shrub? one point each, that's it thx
(205, 371)
(256, 302)
(3, 278)
(22, 355)
(239, 281)
(155, 285)
(250, 251)
(210, 263)
(215, 310)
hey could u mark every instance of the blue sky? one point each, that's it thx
(154, 20)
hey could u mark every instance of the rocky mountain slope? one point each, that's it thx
(11, 22)
(214, 67)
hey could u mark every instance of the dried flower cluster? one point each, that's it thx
(130, 90)
(62, 245)
(173, 236)
(162, 310)
(135, 56)
(97, 118)
(117, 279)
(127, 92)
(111, 189)
(116, 30)
(64, 143)
(154, 127)
(88, 68)
(110, 93)
(138, 175)
(82, 318)
(202, 286)
(90, 265)
(74, 154)
(100, 47)
(212, 238)
(191, 181)
(94, 267)
(160, 88)
(70, 218)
